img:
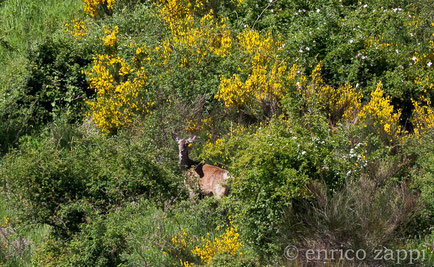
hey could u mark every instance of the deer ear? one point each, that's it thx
(191, 139)
(175, 137)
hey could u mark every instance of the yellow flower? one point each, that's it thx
(91, 6)
(228, 243)
(423, 116)
(110, 40)
(380, 111)
(197, 39)
(118, 90)
(78, 28)
(6, 222)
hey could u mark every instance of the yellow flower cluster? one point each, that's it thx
(185, 263)
(226, 243)
(423, 116)
(262, 84)
(91, 7)
(216, 152)
(379, 42)
(77, 28)
(180, 240)
(117, 88)
(198, 39)
(380, 112)
(6, 222)
(425, 83)
(174, 10)
(110, 40)
(196, 126)
(262, 48)
(341, 103)
(265, 83)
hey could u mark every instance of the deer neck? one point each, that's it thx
(186, 161)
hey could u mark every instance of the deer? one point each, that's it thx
(210, 179)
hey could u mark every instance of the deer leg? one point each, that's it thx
(190, 192)
(189, 188)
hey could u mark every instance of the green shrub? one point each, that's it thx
(52, 87)
(25, 81)
(272, 168)
(61, 186)
(423, 182)
(139, 233)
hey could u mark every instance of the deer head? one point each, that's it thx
(183, 148)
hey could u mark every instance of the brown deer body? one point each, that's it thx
(210, 179)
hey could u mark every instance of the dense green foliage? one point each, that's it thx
(321, 111)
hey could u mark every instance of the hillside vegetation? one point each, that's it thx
(321, 111)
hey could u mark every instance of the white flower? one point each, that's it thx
(414, 58)
(294, 137)
(307, 48)
(351, 41)
(365, 6)
(429, 64)
(317, 11)
(303, 152)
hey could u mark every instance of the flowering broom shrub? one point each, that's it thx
(96, 8)
(379, 113)
(228, 242)
(339, 103)
(77, 28)
(423, 116)
(118, 90)
(195, 39)
(265, 83)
